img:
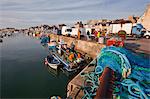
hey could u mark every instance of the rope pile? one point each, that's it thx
(131, 72)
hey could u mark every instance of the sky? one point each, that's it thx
(26, 13)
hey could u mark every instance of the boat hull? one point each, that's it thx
(53, 64)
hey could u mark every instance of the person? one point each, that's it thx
(107, 34)
(49, 38)
(95, 34)
(78, 55)
(78, 58)
(98, 36)
(64, 47)
(79, 33)
(71, 57)
(72, 47)
(88, 34)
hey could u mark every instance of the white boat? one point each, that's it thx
(52, 62)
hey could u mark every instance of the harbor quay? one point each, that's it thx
(93, 59)
(87, 82)
(109, 57)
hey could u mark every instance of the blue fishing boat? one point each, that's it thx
(52, 45)
(44, 39)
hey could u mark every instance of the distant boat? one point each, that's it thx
(52, 45)
(9, 34)
(52, 61)
(1, 40)
(1, 36)
(44, 39)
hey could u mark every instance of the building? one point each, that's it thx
(145, 18)
(99, 25)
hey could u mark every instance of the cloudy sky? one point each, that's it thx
(26, 13)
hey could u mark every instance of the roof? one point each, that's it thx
(119, 21)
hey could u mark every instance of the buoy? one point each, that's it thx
(45, 61)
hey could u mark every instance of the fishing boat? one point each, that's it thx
(67, 65)
(1, 40)
(52, 45)
(1, 36)
(44, 39)
(52, 61)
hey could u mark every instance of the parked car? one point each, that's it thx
(66, 30)
(138, 30)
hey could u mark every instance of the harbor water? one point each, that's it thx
(23, 73)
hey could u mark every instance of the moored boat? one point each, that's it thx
(52, 45)
(1, 40)
(78, 62)
(44, 39)
(52, 61)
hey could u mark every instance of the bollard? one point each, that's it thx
(105, 89)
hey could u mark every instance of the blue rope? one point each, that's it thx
(137, 92)
(92, 79)
(136, 84)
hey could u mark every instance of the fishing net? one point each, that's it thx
(132, 79)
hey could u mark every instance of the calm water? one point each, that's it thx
(23, 74)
